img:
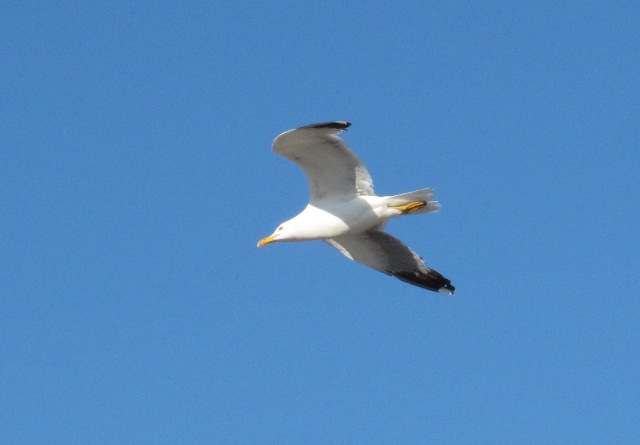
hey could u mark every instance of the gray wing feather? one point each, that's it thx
(381, 251)
(332, 168)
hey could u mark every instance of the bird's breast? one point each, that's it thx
(333, 219)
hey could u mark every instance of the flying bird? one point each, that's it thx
(344, 211)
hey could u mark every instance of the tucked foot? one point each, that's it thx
(411, 207)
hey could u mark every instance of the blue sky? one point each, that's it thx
(136, 177)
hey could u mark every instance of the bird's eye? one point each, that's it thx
(280, 228)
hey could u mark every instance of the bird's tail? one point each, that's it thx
(426, 196)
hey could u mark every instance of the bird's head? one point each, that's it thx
(280, 234)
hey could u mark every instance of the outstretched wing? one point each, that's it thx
(383, 252)
(332, 168)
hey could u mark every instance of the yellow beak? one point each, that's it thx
(267, 240)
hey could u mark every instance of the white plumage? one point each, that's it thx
(344, 211)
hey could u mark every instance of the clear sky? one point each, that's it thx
(136, 177)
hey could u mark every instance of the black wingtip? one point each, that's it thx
(338, 125)
(429, 279)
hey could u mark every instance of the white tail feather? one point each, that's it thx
(427, 195)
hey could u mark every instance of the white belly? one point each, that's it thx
(337, 218)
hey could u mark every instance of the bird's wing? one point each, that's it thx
(383, 252)
(333, 170)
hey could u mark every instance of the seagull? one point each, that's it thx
(344, 211)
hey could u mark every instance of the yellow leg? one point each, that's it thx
(411, 207)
